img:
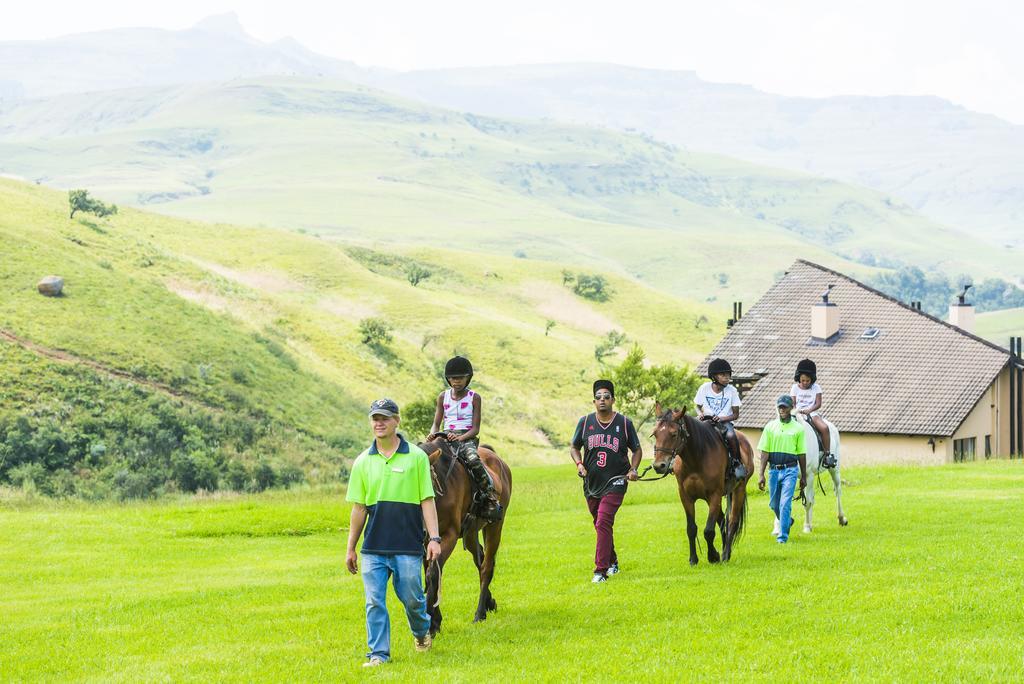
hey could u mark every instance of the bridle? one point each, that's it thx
(672, 452)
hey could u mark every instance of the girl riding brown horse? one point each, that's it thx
(695, 453)
(453, 497)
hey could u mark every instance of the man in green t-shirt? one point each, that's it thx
(393, 496)
(782, 449)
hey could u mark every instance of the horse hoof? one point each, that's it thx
(480, 618)
(844, 522)
(714, 558)
(807, 529)
(693, 561)
(492, 605)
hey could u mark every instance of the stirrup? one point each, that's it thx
(487, 506)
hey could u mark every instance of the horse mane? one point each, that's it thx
(703, 437)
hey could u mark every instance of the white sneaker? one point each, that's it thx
(598, 578)
(424, 642)
(776, 529)
(612, 570)
(374, 661)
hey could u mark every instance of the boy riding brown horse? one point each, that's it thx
(694, 451)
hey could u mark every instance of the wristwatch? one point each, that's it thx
(436, 539)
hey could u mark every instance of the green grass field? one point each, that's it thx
(922, 586)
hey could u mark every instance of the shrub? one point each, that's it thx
(593, 287)
(415, 273)
(375, 332)
(79, 200)
(264, 476)
(418, 418)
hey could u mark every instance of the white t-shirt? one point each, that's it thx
(804, 397)
(717, 404)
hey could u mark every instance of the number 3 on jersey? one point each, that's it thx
(602, 458)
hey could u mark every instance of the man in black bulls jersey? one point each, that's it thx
(605, 437)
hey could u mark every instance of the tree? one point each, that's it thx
(593, 287)
(415, 273)
(79, 200)
(638, 388)
(417, 418)
(567, 277)
(375, 331)
(608, 344)
(548, 326)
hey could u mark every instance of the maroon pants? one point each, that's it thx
(603, 509)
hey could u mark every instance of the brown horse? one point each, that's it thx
(453, 496)
(696, 453)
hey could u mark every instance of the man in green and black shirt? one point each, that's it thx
(782, 449)
(392, 495)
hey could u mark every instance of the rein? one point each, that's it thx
(440, 489)
(641, 478)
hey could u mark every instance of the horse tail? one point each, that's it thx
(741, 523)
(743, 517)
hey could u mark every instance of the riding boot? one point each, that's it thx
(828, 460)
(486, 497)
(738, 470)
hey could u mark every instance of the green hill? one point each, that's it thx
(999, 326)
(251, 337)
(350, 162)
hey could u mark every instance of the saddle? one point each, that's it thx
(817, 435)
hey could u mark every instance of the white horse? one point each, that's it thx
(814, 467)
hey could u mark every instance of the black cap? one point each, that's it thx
(383, 407)
(604, 384)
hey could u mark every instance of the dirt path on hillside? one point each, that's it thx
(67, 357)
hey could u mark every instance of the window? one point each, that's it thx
(988, 446)
(870, 334)
(963, 449)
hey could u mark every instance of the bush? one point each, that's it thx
(264, 476)
(27, 475)
(607, 346)
(195, 471)
(290, 474)
(375, 332)
(237, 476)
(79, 200)
(593, 287)
(415, 273)
(418, 418)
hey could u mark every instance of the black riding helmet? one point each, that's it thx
(718, 366)
(806, 367)
(456, 366)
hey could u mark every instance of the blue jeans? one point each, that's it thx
(407, 578)
(781, 484)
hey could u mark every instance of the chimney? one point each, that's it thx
(824, 318)
(961, 314)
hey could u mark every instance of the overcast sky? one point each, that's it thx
(969, 52)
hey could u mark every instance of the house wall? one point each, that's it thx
(990, 416)
(871, 449)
